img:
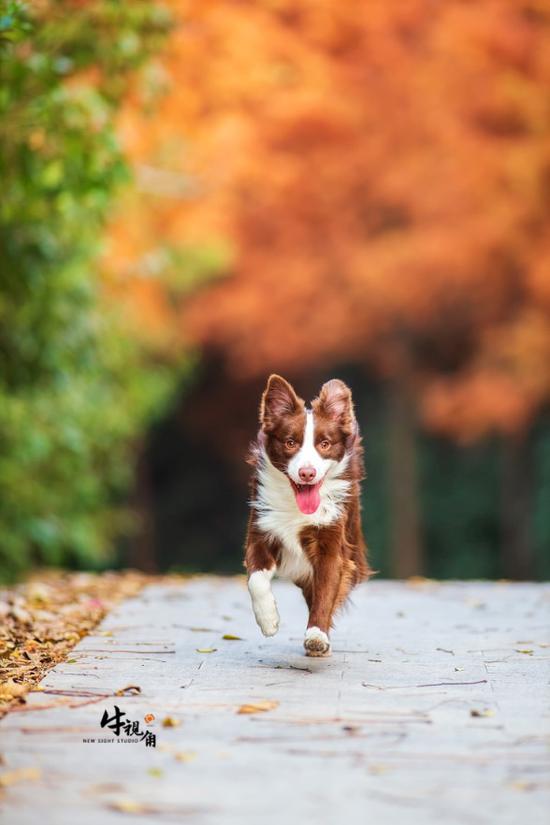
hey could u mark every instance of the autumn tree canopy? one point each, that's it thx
(379, 182)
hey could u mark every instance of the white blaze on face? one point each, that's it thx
(308, 456)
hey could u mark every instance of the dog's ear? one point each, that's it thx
(278, 399)
(335, 403)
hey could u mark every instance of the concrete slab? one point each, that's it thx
(433, 707)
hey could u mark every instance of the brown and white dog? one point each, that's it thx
(305, 513)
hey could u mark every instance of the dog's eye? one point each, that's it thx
(290, 443)
(325, 444)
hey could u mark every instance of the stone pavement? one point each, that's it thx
(433, 708)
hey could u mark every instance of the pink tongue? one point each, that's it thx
(308, 498)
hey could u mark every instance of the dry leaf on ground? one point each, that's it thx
(43, 619)
(185, 756)
(129, 690)
(20, 775)
(130, 806)
(170, 722)
(258, 707)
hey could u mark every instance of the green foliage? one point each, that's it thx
(75, 388)
(460, 503)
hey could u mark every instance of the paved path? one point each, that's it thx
(433, 708)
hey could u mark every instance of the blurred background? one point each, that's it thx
(196, 194)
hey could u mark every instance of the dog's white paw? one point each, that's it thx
(263, 601)
(316, 642)
(267, 615)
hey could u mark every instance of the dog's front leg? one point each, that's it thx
(263, 601)
(261, 567)
(323, 599)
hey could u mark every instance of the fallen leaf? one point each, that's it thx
(231, 638)
(527, 651)
(170, 722)
(206, 649)
(482, 713)
(11, 689)
(20, 775)
(63, 608)
(521, 785)
(458, 669)
(258, 707)
(129, 690)
(185, 756)
(157, 772)
(130, 806)
(21, 615)
(149, 717)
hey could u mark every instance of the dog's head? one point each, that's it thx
(303, 443)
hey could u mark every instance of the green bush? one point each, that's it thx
(75, 388)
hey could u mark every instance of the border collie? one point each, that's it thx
(304, 522)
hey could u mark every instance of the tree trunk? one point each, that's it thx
(404, 516)
(517, 480)
(141, 554)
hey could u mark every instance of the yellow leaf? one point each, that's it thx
(521, 785)
(129, 806)
(258, 707)
(170, 722)
(157, 772)
(231, 638)
(11, 689)
(482, 713)
(524, 650)
(129, 690)
(206, 649)
(185, 756)
(20, 775)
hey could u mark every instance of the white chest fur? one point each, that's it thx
(278, 515)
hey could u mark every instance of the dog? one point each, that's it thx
(304, 519)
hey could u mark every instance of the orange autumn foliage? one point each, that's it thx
(383, 176)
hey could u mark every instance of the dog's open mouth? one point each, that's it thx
(308, 496)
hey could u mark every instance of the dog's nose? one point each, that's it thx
(307, 473)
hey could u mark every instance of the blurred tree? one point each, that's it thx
(384, 181)
(76, 381)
